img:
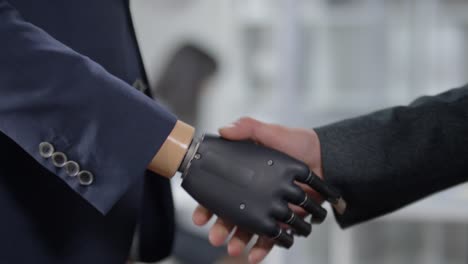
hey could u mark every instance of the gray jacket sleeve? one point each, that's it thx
(390, 158)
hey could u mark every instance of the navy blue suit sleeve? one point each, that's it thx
(48, 92)
(393, 157)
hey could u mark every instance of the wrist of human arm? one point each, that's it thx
(315, 163)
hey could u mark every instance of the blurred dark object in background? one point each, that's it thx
(183, 79)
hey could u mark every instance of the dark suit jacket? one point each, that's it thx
(66, 69)
(390, 158)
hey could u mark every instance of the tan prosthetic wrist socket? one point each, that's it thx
(169, 157)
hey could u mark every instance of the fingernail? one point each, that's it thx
(229, 126)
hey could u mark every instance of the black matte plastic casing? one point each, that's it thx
(243, 182)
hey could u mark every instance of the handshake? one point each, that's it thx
(263, 179)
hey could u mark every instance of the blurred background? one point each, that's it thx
(306, 63)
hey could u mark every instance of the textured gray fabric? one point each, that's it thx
(390, 158)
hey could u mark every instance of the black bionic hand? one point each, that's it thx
(251, 186)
